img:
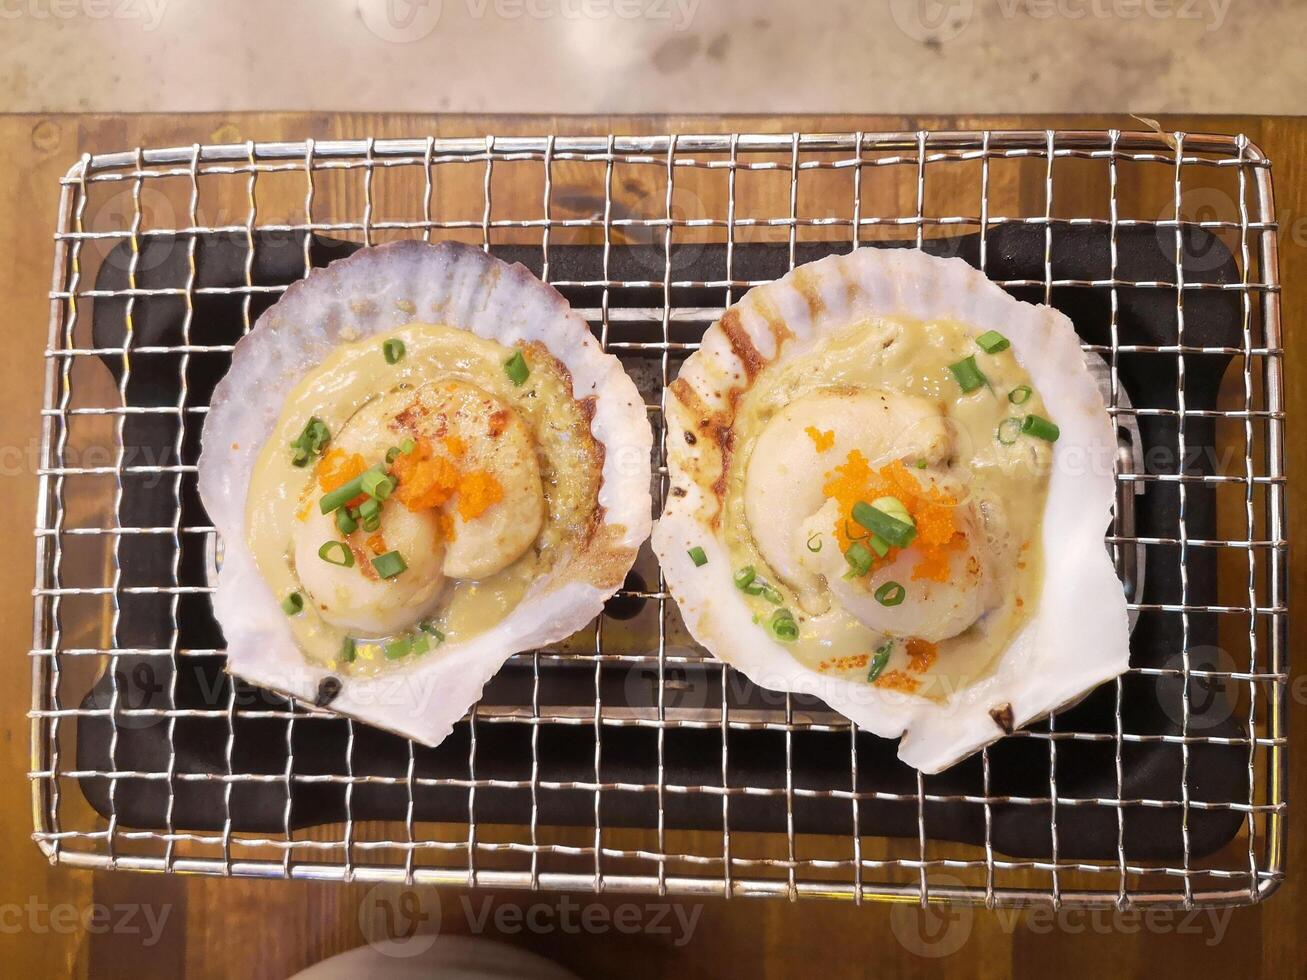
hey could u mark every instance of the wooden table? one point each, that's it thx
(221, 927)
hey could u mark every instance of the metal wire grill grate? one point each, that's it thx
(663, 199)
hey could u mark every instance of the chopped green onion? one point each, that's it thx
(859, 559)
(348, 651)
(879, 660)
(337, 553)
(1008, 430)
(346, 492)
(421, 643)
(371, 524)
(894, 507)
(407, 446)
(390, 564)
(392, 454)
(744, 577)
(697, 556)
(1040, 428)
(770, 593)
(992, 342)
(921, 464)
(313, 438)
(393, 350)
(398, 649)
(345, 523)
(370, 508)
(376, 484)
(967, 374)
(516, 369)
(783, 626)
(849, 529)
(894, 531)
(816, 537)
(292, 604)
(890, 594)
(879, 545)
(1019, 395)
(429, 627)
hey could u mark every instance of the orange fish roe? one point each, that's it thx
(921, 655)
(339, 467)
(377, 544)
(896, 680)
(476, 493)
(931, 509)
(857, 661)
(455, 446)
(822, 440)
(427, 481)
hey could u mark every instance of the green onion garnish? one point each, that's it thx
(879, 660)
(890, 594)
(744, 577)
(376, 484)
(407, 446)
(1040, 428)
(371, 524)
(859, 559)
(348, 651)
(345, 523)
(967, 374)
(850, 532)
(697, 556)
(816, 538)
(346, 492)
(516, 369)
(1008, 430)
(392, 454)
(293, 604)
(393, 350)
(991, 342)
(337, 553)
(783, 626)
(1019, 395)
(369, 509)
(921, 464)
(421, 643)
(311, 441)
(894, 531)
(390, 564)
(396, 649)
(429, 627)
(879, 545)
(769, 592)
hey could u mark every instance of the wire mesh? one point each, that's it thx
(664, 197)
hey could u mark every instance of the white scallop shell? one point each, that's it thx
(1077, 639)
(371, 292)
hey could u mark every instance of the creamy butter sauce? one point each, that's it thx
(357, 374)
(1010, 483)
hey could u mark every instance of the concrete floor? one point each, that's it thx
(588, 56)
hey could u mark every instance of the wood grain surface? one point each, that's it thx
(226, 927)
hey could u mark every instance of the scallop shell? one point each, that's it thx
(1077, 639)
(371, 292)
